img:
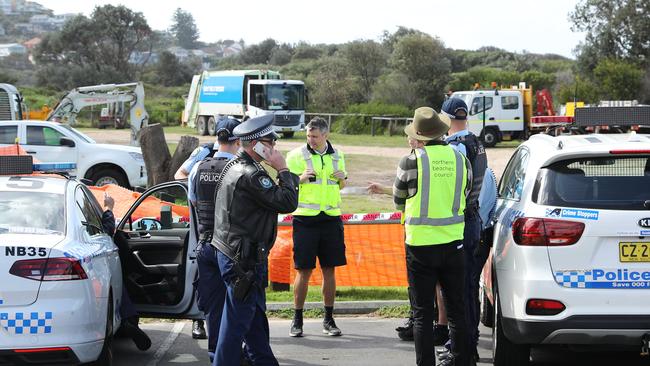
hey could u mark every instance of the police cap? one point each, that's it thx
(256, 128)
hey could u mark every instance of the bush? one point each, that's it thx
(357, 125)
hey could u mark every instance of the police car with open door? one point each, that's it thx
(571, 255)
(158, 252)
(61, 273)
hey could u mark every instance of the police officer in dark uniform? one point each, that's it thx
(469, 145)
(211, 290)
(245, 226)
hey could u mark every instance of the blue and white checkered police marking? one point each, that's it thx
(27, 323)
(604, 278)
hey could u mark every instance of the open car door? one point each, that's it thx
(158, 252)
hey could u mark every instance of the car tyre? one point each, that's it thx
(487, 309)
(202, 126)
(109, 176)
(490, 137)
(106, 356)
(505, 352)
(212, 127)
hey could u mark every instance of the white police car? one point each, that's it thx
(62, 277)
(571, 254)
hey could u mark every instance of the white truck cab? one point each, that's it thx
(51, 142)
(496, 115)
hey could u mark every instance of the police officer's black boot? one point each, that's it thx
(129, 327)
(198, 330)
(405, 332)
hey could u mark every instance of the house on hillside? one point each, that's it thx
(13, 7)
(32, 43)
(12, 49)
(140, 58)
(233, 49)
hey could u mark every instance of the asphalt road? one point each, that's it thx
(366, 341)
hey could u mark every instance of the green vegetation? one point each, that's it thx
(343, 294)
(401, 311)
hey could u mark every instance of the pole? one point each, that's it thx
(483, 130)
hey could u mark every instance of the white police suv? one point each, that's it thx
(61, 274)
(56, 142)
(571, 254)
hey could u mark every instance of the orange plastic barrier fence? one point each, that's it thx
(374, 251)
(125, 198)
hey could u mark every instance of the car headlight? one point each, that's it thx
(137, 157)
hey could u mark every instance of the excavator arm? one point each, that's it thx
(72, 103)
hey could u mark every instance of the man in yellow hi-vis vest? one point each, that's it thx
(317, 225)
(431, 187)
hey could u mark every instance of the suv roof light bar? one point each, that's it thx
(612, 116)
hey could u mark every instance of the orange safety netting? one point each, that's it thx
(374, 252)
(150, 207)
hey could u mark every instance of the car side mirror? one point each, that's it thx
(66, 141)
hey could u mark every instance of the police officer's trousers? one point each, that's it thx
(426, 266)
(211, 291)
(244, 320)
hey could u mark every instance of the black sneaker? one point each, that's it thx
(405, 332)
(330, 328)
(445, 357)
(198, 330)
(296, 329)
(440, 335)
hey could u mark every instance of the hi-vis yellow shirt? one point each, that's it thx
(323, 194)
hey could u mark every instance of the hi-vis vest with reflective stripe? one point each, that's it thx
(323, 194)
(435, 214)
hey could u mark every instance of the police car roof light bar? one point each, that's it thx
(612, 116)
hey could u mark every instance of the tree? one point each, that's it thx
(281, 55)
(258, 53)
(95, 49)
(330, 86)
(423, 59)
(184, 29)
(618, 80)
(396, 88)
(366, 60)
(615, 29)
(170, 71)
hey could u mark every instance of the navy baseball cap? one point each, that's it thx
(225, 128)
(452, 106)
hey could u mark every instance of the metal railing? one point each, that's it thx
(374, 120)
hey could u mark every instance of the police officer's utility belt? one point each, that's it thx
(206, 236)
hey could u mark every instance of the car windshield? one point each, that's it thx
(618, 183)
(78, 134)
(33, 213)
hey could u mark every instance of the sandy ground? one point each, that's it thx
(497, 157)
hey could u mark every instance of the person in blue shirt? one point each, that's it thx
(188, 171)
(469, 145)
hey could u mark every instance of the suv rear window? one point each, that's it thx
(617, 183)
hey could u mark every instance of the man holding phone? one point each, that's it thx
(317, 224)
(247, 204)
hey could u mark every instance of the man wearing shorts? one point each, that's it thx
(317, 225)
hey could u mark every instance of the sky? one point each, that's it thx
(514, 25)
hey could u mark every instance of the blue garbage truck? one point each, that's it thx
(244, 94)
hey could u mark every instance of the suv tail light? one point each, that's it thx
(52, 269)
(546, 232)
(544, 307)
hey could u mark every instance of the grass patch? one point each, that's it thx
(400, 311)
(367, 204)
(344, 294)
(288, 313)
